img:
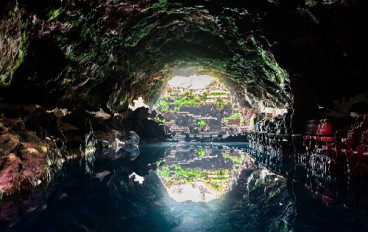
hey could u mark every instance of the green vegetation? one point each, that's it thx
(218, 93)
(201, 124)
(235, 159)
(164, 171)
(185, 101)
(219, 103)
(177, 174)
(160, 120)
(233, 116)
(159, 163)
(188, 99)
(6, 77)
(215, 186)
(161, 5)
(188, 175)
(201, 152)
(55, 13)
(163, 106)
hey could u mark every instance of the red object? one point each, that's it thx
(325, 129)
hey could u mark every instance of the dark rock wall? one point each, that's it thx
(104, 54)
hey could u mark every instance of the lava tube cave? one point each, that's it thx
(182, 115)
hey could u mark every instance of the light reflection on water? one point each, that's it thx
(201, 173)
(110, 195)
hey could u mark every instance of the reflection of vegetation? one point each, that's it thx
(177, 174)
(220, 179)
(164, 171)
(215, 186)
(201, 152)
(189, 175)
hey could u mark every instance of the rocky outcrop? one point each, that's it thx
(26, 161)
(34, 143)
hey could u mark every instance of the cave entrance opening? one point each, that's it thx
(201, 106)
(195, 110)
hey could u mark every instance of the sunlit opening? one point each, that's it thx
(203, 105)
(195, 192)
(138, 103)
(192, 82)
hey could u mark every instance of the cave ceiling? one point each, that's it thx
(105, 54)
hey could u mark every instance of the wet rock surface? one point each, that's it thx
(33, 148)
(23, 155)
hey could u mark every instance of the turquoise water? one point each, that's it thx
(113, 191)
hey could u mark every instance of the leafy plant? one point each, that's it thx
(163, 105)
(160, 120)
(201, 124)
(219, 104)
(159, 163)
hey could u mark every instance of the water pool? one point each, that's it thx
(183, 187)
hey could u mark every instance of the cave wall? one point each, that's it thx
(303, 55)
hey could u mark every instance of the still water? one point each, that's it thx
(185, 187)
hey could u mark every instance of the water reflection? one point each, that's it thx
(200, 173)
(187, 187)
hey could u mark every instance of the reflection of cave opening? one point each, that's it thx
(201, 105)
(201, 173)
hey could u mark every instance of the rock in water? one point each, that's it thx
(132, 144)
